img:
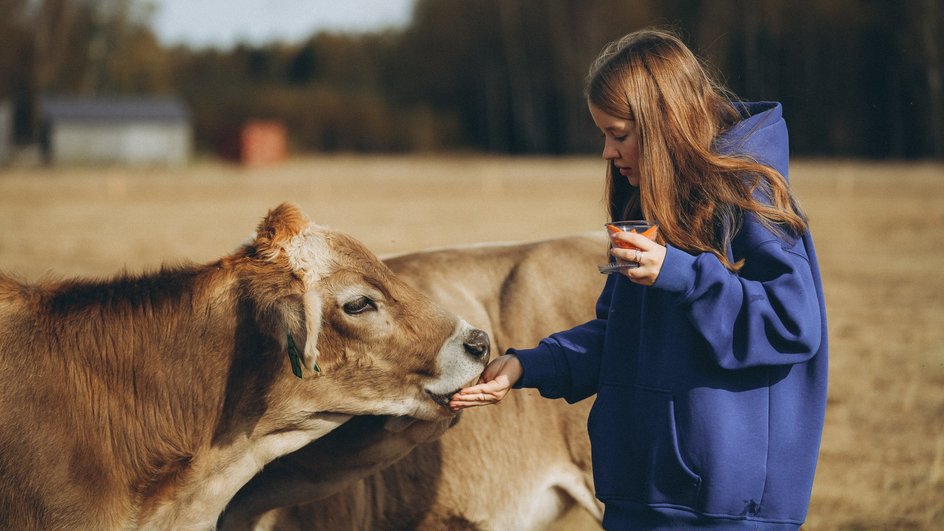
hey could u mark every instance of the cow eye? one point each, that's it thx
(359, 305)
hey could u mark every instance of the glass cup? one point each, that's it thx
(641, 226)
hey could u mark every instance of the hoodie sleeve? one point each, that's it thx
(567, 364)
(767, 314)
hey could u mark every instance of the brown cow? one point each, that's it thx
(519, 465)
(148, 401)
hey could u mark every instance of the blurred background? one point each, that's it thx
(858, 78)
(141, 132)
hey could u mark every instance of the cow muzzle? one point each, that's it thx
(461, 360)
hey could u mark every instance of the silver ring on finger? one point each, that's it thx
(638, 257)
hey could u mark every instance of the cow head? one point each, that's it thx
(369, 342)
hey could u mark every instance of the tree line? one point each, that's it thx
(858, 78)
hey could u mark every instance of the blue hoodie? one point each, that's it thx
(710, 386)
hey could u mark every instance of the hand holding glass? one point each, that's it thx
(646, 228)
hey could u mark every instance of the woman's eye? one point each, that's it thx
(359, 305)
(619, 138)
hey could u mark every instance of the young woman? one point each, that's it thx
(709, 360)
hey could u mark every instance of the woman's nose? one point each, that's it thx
(609, 152)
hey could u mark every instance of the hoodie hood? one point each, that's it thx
(762, 132)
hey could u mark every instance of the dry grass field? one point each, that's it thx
(879, 229)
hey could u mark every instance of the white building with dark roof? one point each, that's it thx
(125, 130)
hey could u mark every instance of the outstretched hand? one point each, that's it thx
(494, 383)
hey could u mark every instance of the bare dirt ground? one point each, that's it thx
(879, 230)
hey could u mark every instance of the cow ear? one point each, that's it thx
(280, 225)
(312, 304)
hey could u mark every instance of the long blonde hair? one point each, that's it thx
(696, 195)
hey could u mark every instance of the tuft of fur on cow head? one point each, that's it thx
(290, 241)
(277, 229)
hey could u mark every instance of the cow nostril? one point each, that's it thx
(475, 349)
(477, 344)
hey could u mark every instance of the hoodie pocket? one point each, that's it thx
(636, 450)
